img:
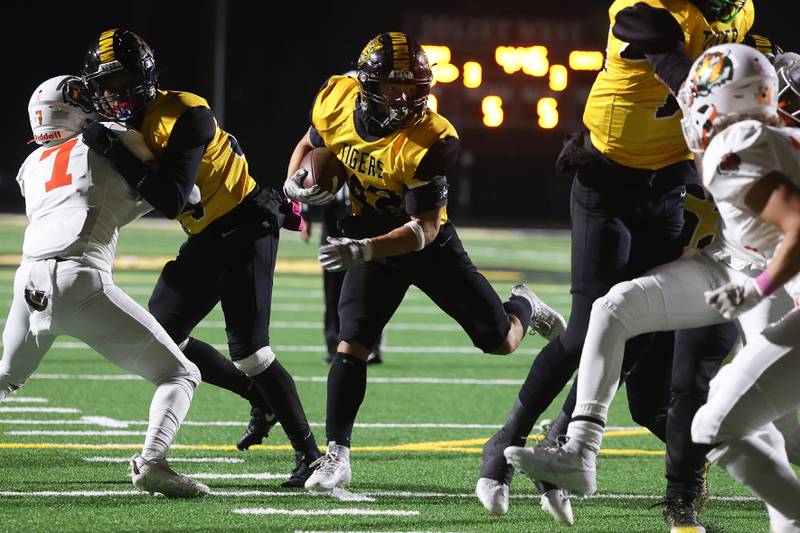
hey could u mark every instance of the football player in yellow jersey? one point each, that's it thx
(630, 168)
(398, 154)
(233, 229)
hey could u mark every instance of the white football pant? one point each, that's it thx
(670, 297)
(83, 302)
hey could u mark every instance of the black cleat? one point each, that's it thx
(302, 471)
(258, 428)
(374, 358)
(681, 515)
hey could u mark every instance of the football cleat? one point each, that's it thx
(556, 503)
(331, 470)
(496, 475)
(374, 358)
(258, 428)
(545, 320)
(681, 516)
(302, 471)
(155, 475)
(493, 495)
(575, 472)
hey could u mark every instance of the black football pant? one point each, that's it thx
(624, 222)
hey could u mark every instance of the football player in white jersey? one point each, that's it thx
(751, 167)
(76, 203)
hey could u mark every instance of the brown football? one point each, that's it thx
(324, 169)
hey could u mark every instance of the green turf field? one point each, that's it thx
(66, 436)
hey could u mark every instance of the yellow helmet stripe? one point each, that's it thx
(400, 51)
(106, 45)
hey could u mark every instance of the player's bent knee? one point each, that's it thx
(257, 362)
(354, 350)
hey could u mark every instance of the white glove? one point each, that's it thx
(732, 299)
(314, 195)
(342, 254)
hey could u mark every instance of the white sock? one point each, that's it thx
(587, 431)
(758, 461)
(170, 404)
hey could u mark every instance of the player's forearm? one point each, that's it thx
(404, 240)
(786, 263)
(302, 148)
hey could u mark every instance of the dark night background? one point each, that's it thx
(274, 65)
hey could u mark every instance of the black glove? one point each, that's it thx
(101, 139)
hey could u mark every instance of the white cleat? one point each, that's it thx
(331, 470)
(545, 320)
(556, 502)
(493, 495)
(574, 472)
(155, 475)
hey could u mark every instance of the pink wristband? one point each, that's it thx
(765, 285)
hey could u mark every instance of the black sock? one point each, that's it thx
(220, 371)
(520, 308)
(277, 386)
(217, 369)
(347, 384)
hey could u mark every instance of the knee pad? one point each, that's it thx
(625, 301)
(257, 362)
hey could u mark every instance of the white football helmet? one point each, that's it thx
(787, 65)
(727, 83)
(58, 110)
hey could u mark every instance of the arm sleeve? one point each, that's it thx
(653, 30)
(316, 138)
(672, 66)
(167, 188)
(428, 189)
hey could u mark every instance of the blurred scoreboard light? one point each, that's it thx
(585, 60)
(433, 102)
(492, 107)
(558, 77)
(547, 109)
(518, 75)
(532, 60)
(444, 73)
(473, 74)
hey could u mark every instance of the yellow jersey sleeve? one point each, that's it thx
(631, 116)
(381, 171)
(223, 177)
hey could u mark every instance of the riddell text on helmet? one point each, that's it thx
(47, 136)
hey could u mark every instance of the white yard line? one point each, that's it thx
(171, 460)
(109, 433)
(338, 512)
(318, 348)
(24, 399)
(254, 475)
(39, 410)
(378, 494)
(312, 379)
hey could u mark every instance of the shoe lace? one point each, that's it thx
(677, 511)
(326, 464)
(543, 320)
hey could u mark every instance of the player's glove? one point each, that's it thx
(314, 195)
(101, 139)
(732, 299)
(341, 254)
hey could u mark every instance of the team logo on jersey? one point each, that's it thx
(714, 70)
(729, 163)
